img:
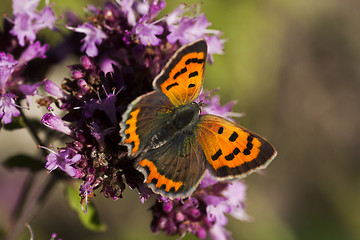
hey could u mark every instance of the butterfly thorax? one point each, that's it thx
(185, 117)
(183, 120)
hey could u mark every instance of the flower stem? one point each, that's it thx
(32, 131)
(20, 203)
(33, 207)
(21, 213)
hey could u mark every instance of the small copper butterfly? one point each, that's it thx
(173, 144)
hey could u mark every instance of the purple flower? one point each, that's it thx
(29, 6)
(235, 195)
(54, 236)
(28, 22)
(142, 7)
(54, 122)
(231, 202)
(93, 36)
(8, 107)
(127, 8)
(182, 32)
(203, 214)
(108, 105)
(155, 7)
(188, 29)
(82, 84)
(218, 232)
(29, 90)
(144, 192)
(86, 62)
(207, 181)
(99, 134)
(23, 29)
(34, 50)
(53, 89)
(215, 44)
(107, 65)
(175, 16)
(63, 160)
(212, 106)
(45, 19)
(136, 48)
(86, 191)
(131, 7)
(7, 67)
(147, 33)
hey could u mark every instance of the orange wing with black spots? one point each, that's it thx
(231, 150)
(173, 146)
(181, 80)
(144, 118)
(174, 169)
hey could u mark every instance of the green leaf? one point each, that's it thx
(90, 220)
(36, 124)
(24, 161)
(16, 123)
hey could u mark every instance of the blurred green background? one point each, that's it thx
(293, 67)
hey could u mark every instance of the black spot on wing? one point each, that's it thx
(147, 169)
(163, 187)
(154, 181)
(191, 85)
(230, 157)
(226, 171)
(183, 70)
(246, 152)
(190, 60)
(171, 85)
(221, 130)
(193, 74)
(236, 151)
(233, 137)
(194, 60)
(249, 146)
(216, 155)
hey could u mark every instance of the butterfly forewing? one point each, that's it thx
(182, 78)
(231, 150)
(174, 169)
(144, 118)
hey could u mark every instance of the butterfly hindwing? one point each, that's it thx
(231, 150)
(175, 169)
(144, 118)
(182, 78)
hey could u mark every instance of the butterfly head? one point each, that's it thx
(201, 104)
